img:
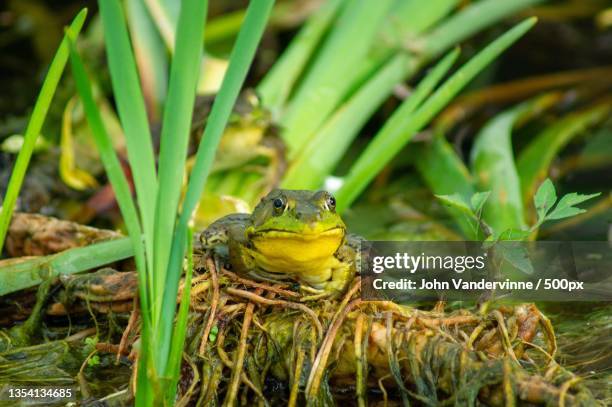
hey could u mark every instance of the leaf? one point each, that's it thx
(478, 200)
(513, 234)
(276, 86)
(330, 143)
(545, 198)
(385, 148)
(174, 139)
(333, 72)
(150, 54)
(456, 201)
(91, 341)
(119, 182)
(212, 336)
(240, 61)
(565, 208)
(516, 255)
(93, 361)
(130, 104)
(494, 166)
(35, 123)
(445, 173)
(534, 160)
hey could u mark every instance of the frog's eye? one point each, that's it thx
(279, 204)
(331, 203)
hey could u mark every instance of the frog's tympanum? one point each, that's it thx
(295, 235)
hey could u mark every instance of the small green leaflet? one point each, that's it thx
(546, 197)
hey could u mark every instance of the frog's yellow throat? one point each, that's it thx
(297, 249)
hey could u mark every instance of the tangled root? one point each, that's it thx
(257, 343)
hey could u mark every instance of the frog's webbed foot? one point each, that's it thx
(317, 294)
(333, 289)
(219, 232)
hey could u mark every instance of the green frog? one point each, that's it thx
(291, 235)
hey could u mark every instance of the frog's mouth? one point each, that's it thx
(305, 235)
(299, 247)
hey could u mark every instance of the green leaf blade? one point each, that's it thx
(478, 201)
(445, 173)
(333, 71)
(151, 57)
(37, 119)
(132, 112)
(545, 198)
(494, 168)
(240, 61)
(534, 161)
(565, 208)
(184, 74)
(468, 21)
(276, 86)
(327, 146)
(381, 150)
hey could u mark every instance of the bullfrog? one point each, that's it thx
(291, 235)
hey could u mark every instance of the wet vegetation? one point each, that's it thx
(132, 129)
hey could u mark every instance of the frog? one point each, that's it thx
(291, 235)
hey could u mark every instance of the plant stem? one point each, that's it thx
(178, 338)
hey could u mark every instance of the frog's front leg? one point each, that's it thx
(216, 239)
(343, 273)
(341, 277)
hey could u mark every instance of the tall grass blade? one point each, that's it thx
(35, 124)
(409, 18)
(132, 113)
(467, 22)
(175, 132)
(329, 78)
(325, 150)
(178, 337)
(327, 146)
(27, 273)
(165, 17)
(390, 140)
(151, 57)
(121, 189)
(275, 88)
(108, 156)
(240, 61)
